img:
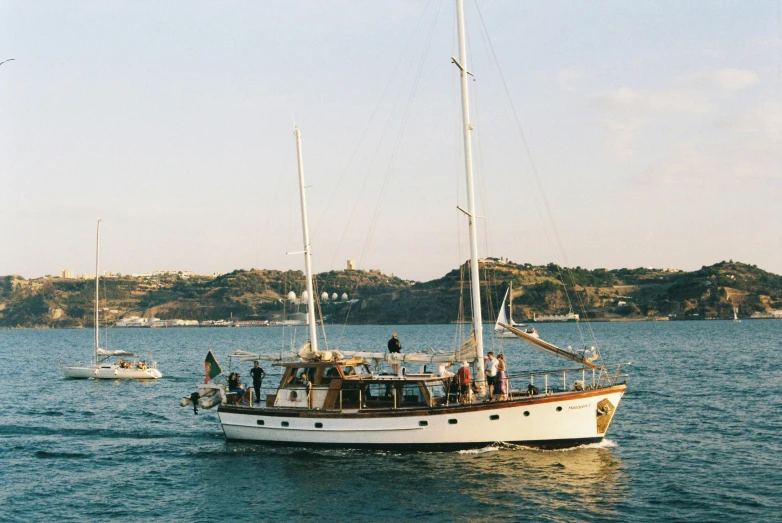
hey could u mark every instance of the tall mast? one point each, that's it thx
(307, 252)
(97, 291)
(474, 272)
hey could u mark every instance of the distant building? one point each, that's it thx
(66, 273)
(351, 265)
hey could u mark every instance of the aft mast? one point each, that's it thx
(466, 127)
(307, 251)
(97, 293)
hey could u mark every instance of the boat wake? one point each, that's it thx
(605, 444)
(484, 450)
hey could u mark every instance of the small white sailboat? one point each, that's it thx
(736, 315)
(502, 318)
(102, 366)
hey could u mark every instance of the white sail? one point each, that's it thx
(501, 316)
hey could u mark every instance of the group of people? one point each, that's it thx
(122, 364)
(496, 377)
(235, 386)
(496, 374)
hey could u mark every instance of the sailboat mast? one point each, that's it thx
(97, 292)
(307, 253)
(474, 269)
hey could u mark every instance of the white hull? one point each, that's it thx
(110, 372)
(555, 421)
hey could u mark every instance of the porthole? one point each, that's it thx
(559, 409)
(494, 417)
(319, 425)
(285, 423)
(453, 421)
(259, 422)
(423, 423)
(526, 413)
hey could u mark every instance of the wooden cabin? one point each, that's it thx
(349, 384)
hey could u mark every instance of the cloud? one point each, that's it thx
(713, 53)
(686, 103)
(628, 112)
(729, 80)
(568, 79)
(745, 151)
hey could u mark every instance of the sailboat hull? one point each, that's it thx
(560, 420)
(110, 372)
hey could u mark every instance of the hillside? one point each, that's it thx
(376, 298)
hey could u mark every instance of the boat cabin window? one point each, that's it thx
(411, 394)
(349, 370)
(436, 390)
(294, 374)
(329, 374)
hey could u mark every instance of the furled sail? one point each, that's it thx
(467, 351)
(115, 353)
(585, 357)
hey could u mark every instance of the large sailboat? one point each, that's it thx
(103, 365)
(334, 398)
(503, 318)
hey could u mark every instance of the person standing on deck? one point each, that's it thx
(491, 374)
(463, 381)
(258, 374)
(394, 347)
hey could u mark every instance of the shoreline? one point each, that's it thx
(611, 320)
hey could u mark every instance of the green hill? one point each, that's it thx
(376, 298)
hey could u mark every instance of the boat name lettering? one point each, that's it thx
(576, 407)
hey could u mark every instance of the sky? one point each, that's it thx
(605, 134)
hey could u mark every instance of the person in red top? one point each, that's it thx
(463, 380)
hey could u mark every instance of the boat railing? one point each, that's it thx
(581, 378)
(525, 384)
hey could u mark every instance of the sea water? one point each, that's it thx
(697, 437)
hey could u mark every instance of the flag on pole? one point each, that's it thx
(211, 367)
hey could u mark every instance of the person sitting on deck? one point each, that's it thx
(235, 387)
(463, 380)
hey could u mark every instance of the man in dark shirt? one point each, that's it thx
(257, 373)
(394, 346)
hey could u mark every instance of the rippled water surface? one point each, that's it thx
(698, 437)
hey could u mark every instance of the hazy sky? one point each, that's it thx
(655, 129)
